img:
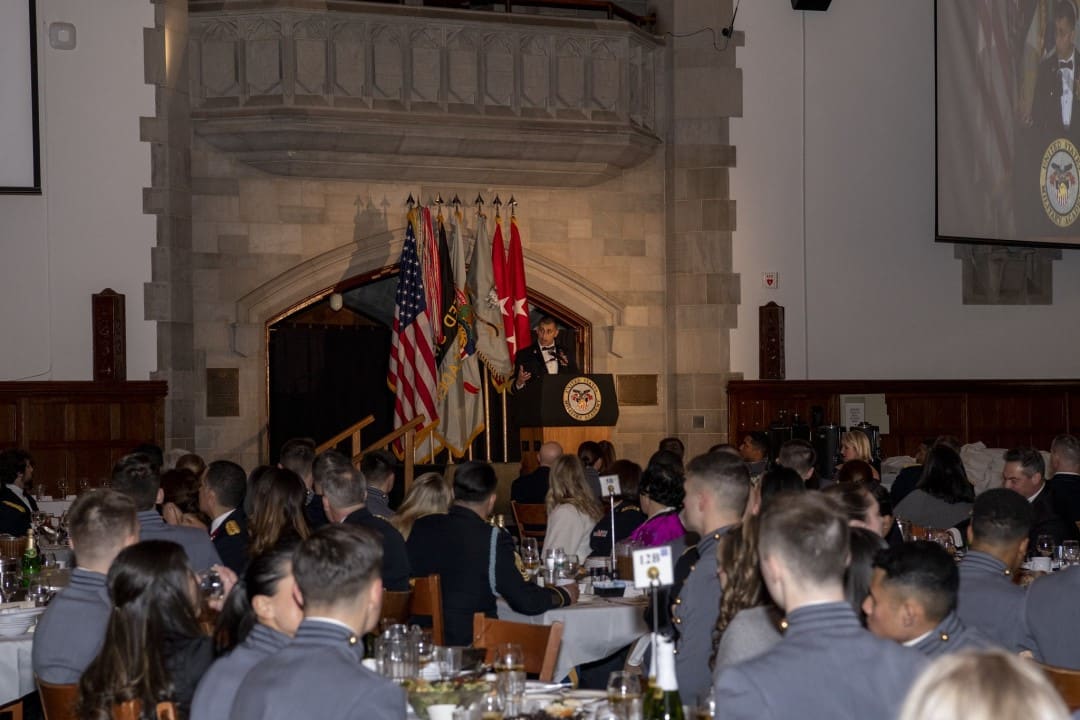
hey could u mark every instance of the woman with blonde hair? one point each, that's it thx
(855, 445)
(983, 686)
(430, 494)
(572, 508)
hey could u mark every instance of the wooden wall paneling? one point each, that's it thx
(9, 424)
(90, 421)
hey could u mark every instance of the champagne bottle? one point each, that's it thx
(664, 702)
(31, 560)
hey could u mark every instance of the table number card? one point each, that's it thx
(653, 565)
(609, 485)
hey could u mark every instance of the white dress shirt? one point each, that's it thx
(1067, 75)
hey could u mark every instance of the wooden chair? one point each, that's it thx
(57, 701)
(540, 643)
(427, 602)
(395, 606)
(13, 710)
(132, 710)
(1066, 682)
(531, 519)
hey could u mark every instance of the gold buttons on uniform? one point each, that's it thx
(678, 601)
(944, 637)
(353, 640)
(678, 621)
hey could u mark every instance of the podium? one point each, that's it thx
(567, 409)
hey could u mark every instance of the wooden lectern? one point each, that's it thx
(567, 409)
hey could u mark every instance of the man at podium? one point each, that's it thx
(545, 356)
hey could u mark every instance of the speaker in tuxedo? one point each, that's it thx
(810, 4)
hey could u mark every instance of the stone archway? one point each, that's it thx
(317, 277)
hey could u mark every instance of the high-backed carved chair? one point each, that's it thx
(540, 643)
(531, 519)
(57, 701)
(427, 602)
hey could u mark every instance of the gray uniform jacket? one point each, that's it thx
(200, 549)
(827, 666)
(378, 503)
(217, 689)
(1052, 619)
(951, 635)
(989, 601)
(694, 613)
(318, 675)
(71, 631)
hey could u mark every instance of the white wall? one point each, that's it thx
(87, 230)
(882, 299)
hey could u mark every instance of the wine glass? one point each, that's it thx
(61, 486)
(624, 694)
(491, 707)
(570, 566)
(1071, 551)
(425, 648)
(1044, 544)
(84, 485)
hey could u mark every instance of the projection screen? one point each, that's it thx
(1008, 121)
(19, 159)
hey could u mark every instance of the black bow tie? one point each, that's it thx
(550, 349)
(1065, 65)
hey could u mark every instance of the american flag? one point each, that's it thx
(412, 357)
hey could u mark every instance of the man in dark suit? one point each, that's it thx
(1023, 472)
(297, 455)
(16, 503)
(1054, 110)
(70, 633)
(533, 487)
(912, 600)
(475, 559)
(988, 599)
(1065, 477)
(344, 499)
(804, 548)
(319, 674)
(377, 468)
(545, 356)
(221, 497)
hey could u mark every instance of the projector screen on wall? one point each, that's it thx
(19, 163)
(1008, 121)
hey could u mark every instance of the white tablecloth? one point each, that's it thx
(16, 672)
(55, 507)
(592, 630)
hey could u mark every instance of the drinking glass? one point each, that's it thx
(530, 555)
(510, 676)
(624, 694)
(491, 707)
(84, 485)
(1071, 552)
(423, 645)
(61, 486)
(1044, 544)
(448, 661)
(570, 566)
(905, 529)
(398, 653)
(706, 706)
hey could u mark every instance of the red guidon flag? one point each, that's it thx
(503, 289)
(515, 269)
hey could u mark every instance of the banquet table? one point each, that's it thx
(16, 672)
(593, 628)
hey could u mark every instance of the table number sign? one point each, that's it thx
(609, 486)
(653, 566)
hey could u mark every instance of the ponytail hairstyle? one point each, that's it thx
(262, 576)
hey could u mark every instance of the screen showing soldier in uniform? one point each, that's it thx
(1008, 121)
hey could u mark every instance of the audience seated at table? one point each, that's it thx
(865, 545)
(1065, 476)
(180, 499)
(754, 449)
(154, 648)
(859, 504)
(69, 634)
(660, 496)
(800, 456)
(778, 479)
(984, 685)
(912, 600)
(1024, 472)
(430, 494)
(277, 510)
(298, 455)
(943, 496)
(319, 674)
(988, 599)
(827, 665)
(474, 559)
(221, 497)
(908, 478)
(137, 477)
(855, 445)
(572, 508)
(377, 468)
(260, 617)
(592, 461)
(532, 488)
(890, 529)
(1051, 618)
(344, 498)
(628, 514)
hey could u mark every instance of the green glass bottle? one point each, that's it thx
(31, 560)
(664, 702)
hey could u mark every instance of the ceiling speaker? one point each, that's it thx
(810, 4)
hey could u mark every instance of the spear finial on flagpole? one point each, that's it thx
(498, 206)
(513, 207)
(439, 202)
(456, 200)
(479, 202)
(410, 202)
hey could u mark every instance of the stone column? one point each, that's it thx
(169, 294)
(704, 91)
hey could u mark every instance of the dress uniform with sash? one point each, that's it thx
(230, 538)
(217, 689)
(826, 666)
(1052, 619)
(196, 543)
(395, 564)
(951, 635)
(318, 675)
(989, 601)
(15, 509)
(70, 633)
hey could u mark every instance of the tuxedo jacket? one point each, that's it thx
(1066, 487)
(231, 541)
(1046, 106)
(1047, 520)
(531, 359)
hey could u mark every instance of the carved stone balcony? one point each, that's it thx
(388, 92)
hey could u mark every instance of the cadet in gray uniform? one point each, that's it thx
(717, 487)
(988, 599)
(378, 469)
(319, 675)
(912, 600)
(70, 632)
(827, 665)
(137, 477)
(1052, 619)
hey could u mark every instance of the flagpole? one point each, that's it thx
(505, 433)
(487, 413)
